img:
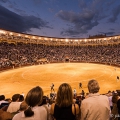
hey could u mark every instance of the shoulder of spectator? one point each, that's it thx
(52, 108)
(77, 109)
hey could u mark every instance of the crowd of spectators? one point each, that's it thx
(20, 54)
(66, 105)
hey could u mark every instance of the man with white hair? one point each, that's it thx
(96, 106)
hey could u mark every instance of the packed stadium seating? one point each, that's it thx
(20, 49)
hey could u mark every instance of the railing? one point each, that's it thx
(25, 65)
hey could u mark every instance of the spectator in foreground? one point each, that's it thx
(23, 106)
(63, 108)
(15, 104)
(2, 99)
(118, 106)
(34, 111)
(96, 106)
(3, 102)
(114, 112)
(110, 100)
(4, 115)
(47, 106)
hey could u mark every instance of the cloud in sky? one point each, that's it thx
(4, 1)
(12, 21)
(115, 13)
(81, 22)
(107, 33)
(88, 17)
(67, 18)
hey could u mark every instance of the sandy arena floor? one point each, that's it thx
(23, 79)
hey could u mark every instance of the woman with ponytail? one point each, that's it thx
(34, 111)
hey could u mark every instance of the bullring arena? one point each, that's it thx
(23, 79)
(20, 75)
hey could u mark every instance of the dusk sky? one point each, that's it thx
(61, 18)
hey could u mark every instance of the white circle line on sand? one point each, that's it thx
(22, 75)
(68, 78)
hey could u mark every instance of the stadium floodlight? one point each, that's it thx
(66, 40)
(76, 40)
(11, 33)
(33, 37)
(1, 31)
